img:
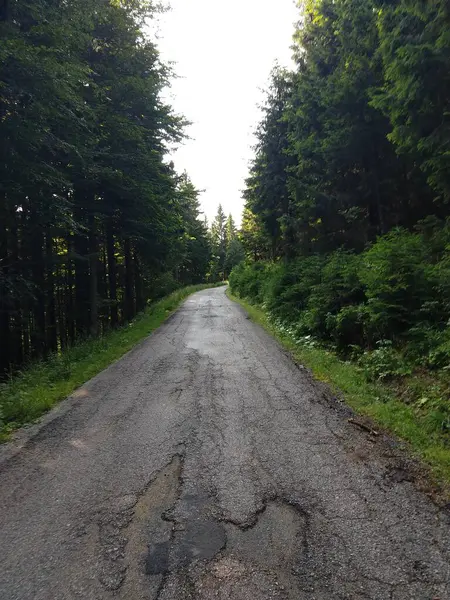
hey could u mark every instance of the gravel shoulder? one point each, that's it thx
(206, 464)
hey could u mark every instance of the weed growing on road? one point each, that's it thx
(28, 395)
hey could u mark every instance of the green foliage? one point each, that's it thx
(393, 291)
(218, 240)
(338, 288)
(235, 254)
(384, 362)
(327, 172)
(415, 95)
(267, 193)
(398, 279)
(194, 253)
(92, 215)
(307, 293)
(252, 236)
(248, 280)
(288, 290)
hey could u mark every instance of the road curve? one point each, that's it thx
(206, 464)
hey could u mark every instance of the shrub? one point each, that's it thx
(247, 280)
(339, 287)
(289, 287)
(398, 290)
(162, 285)
(347, 327)
(384, 362)
(398, 280)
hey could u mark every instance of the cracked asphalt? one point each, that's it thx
(206, 464)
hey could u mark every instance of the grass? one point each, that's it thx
(37, 388)
(376, 400)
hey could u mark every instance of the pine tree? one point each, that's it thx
(93, 220)
(267, 192)
(218, 245)
(234, 249)
(254, 239)
(415, 94)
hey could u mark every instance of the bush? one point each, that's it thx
(247, 280)
(162, 285)
(384, 362)
(339, 287)
(289, 287)
(398, 279)
(397, 290)
(347, 327)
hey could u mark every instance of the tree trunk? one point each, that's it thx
(129, 281)
(112, 274)
(69, 308)
(4, 10)
(38, 337)
(4, 309)
(61, 288)
(25, 254)
(52, 334)
(16, 333)
(139, 292)
(102, 287)
(82, 279)
(93, 277)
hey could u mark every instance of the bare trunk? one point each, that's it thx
(112, 274)
(4, 309)
(129, 281)
(52, 334)
(93, 277)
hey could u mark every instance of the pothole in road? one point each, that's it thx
(259, 561)
(130, 568)
(255, 563)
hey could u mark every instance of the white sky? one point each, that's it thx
(224, 51)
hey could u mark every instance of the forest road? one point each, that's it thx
(206, 464)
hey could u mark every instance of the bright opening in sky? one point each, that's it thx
(224, 52)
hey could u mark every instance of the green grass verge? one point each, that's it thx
(375, 400)
(35, 390)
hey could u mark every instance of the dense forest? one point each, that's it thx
(94, 219)
(345, 225)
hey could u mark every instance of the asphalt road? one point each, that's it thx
(206, 464)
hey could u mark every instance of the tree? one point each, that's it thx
(415, 94)
(195, 249)
(230, 230)
(94, 220)
(235, 255)
(254, 239)
(234, 250)
(267, 192)
(325, 175)
(218, 245)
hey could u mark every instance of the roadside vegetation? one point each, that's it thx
(346, 223)
(39, 386)
(409, 402)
